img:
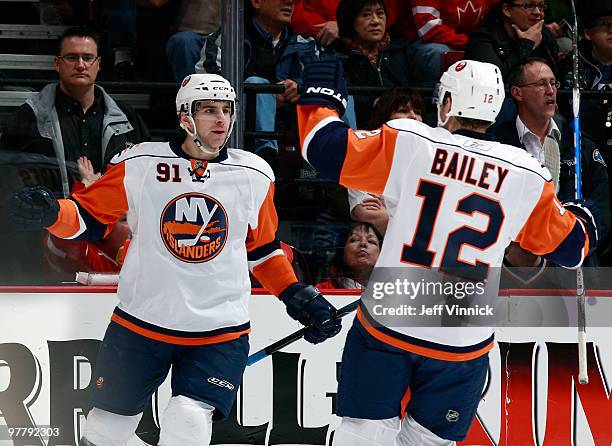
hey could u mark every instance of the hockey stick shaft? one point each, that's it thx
(583, 376)
(290, 339)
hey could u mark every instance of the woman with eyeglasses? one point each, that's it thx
(513, 32)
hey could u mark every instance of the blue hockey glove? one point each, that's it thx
(589, 213)
(324, 82)
(305, 304)
(33, 208)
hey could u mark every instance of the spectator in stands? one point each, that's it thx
(198, 23)
(397, 103)
(513, 32)
(595, 73)
(596, 47)
(75, 117)
(267, 34)
(317, 18)
(533, 87)
(369, 55)
(442, 26)
(355, 259)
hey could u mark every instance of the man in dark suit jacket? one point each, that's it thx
(547, 137)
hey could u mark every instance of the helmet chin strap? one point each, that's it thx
(197, 141)
(442, 123)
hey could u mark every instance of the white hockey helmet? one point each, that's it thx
(204, 87)
(476, 89)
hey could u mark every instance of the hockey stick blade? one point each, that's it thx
(290, 339)
(583, 376)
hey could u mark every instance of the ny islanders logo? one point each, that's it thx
(194, 227)
(460, 66)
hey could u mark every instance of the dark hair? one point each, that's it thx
(517, 75)
(468, 123)
(392, 100)
(249, 10)
(77, 31)
(337, 268)
(347, 12)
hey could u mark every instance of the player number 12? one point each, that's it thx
(418, 252)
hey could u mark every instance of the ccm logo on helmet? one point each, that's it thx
(460, 66)
(194, 227)
(220, 382)
(186, 81)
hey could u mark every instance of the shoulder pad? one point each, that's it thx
(141, 149)
(250, 161)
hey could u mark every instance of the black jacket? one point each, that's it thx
(595, 185)
(33, 127)
(595, 110)
(589, 74)
(491, 43)
(260, 54)
(391, 70)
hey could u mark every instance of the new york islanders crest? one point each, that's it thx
(193, 227)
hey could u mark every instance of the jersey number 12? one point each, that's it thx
(419, 253)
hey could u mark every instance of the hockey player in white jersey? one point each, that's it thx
(456, 200)
(202, 216)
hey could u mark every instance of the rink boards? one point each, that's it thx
(49, 339)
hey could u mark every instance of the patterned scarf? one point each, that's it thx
(372, 55)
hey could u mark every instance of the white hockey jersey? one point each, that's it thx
(185, 279)
(454, 201)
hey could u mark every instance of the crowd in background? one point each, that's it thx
(393, 53)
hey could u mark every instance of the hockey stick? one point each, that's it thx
(583, 376)
(185, 242)
(290, 339)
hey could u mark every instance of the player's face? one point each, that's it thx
(538, 95)
(278, 12)
(361, 250)
(212, 119)
(521, 17)
(370, 24)
(78, 63)
(600, 34)
(406, 112)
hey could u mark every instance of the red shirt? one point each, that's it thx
(308, 13)
(449, 21)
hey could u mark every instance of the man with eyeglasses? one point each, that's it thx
(45, 137)
(75, 117)
(549, 139)
(512, 33)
